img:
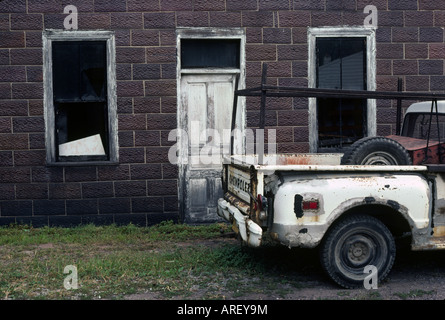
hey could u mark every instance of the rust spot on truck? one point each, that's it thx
(297, 161)
(416, 148)
(307, 159)
(439, 231)
(241, 205)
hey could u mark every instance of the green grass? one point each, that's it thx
(412, 294)
(25, 235)
(167, 260)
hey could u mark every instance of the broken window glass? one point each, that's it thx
(80, 100)
(341, 64)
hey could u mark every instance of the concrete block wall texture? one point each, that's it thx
(142, 188)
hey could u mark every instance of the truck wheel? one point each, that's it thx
(376, 151)
(354, 243)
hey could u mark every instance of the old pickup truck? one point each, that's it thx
(352, 213)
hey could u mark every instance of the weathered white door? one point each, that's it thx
(206, 115)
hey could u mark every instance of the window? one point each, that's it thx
(417, 125)
(341, 64)
(210, 53)
(80, 100)
(341, 58)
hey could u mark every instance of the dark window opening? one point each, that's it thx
(417, 125)
(341, 64)
(80, 100)
(210, 53)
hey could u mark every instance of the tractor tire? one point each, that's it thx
(376, 151)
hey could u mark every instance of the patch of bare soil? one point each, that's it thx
(415, 276)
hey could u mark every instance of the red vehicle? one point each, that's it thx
(422, 140)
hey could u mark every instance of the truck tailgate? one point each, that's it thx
(237, 206)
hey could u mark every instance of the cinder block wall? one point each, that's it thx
(142, 188)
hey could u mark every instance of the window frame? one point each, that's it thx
(341, 32)
(48, 37)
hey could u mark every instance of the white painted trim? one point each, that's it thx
(210, 71)
(328, 32)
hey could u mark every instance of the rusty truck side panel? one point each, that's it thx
(409, 195)
(306, 199)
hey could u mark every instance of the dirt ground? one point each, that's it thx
(415, 276)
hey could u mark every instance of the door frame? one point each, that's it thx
(205, 33)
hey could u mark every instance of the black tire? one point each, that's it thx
(376, 151)
(354, 243)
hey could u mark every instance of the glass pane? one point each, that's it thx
(66, 82)
(210, 53)
(353, 64)
(417, 125)
(328, 64)
(341, 64)
(79, 71)
(340, 121)
(93, 71)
